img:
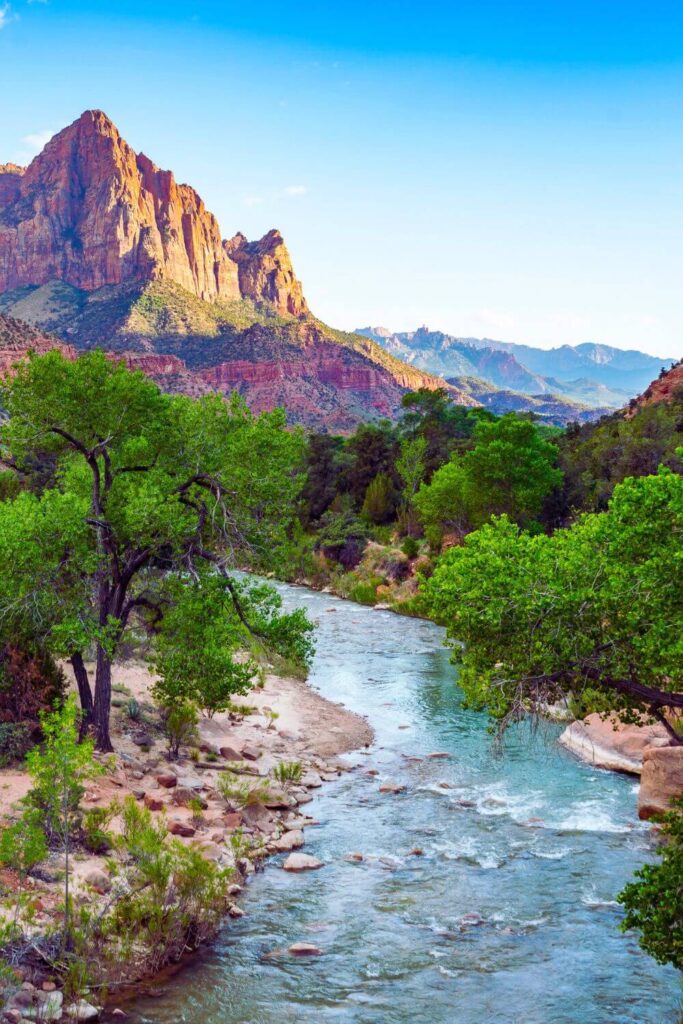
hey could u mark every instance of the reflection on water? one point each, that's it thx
(507, 916)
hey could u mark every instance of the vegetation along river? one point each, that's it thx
(503, 919)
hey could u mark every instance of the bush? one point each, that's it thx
(379, 504)
(95, 821)
(31, 682)
(16, 739)
(240, 792)
(180, 727)
(288, 771)
(365, 592)
(654, 902)
(410, 547)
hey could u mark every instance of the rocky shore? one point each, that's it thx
(284, 722)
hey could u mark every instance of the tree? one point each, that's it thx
(532, 619)
(444, 426)
(149, 492)
(654, 900)
(380, 500)
(510, 470)
(59, 770)
(370, 451)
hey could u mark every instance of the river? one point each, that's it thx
(502, 920)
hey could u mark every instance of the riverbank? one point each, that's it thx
(283, 723)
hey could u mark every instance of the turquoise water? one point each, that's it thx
(541, 943)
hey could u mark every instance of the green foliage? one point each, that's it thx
(59, 769)
(509, 471)
(654, 901)
(288, 772)
(342, 537)
(22, 845)
(96, 838)
(179, 722)
(598, 604)
(379, 504)
(242, 793)
(146, 489)
(411, 465)
(16, 740)
(133, 710)
(596, 457)
(410, 547)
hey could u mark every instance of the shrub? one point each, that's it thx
(410, 547)
(365, 591)
(180, 727)
(30, 683)
(654, 901)
(242, 793)
(95, 821)
(288, 772)
(133, 710)
(380, 500)
(15, 742)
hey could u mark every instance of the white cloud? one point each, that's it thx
(36, 141)
(275, 195)
(6, 15)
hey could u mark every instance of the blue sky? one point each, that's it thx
(504, 169)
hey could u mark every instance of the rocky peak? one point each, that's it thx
(91, 212)
(266, 273)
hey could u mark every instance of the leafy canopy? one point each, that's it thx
(600, 604)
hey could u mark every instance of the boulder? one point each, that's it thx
(168, 780)
(392, 787)
(607, 743)
(82, 1010)
(311, 780)
(230, 754)
(250, 752)
(293, 840)
(181, 828)
(182, 796)
(48, 1006)
(233, 819)
(302, 862)
(304, 949)
(661, 780)
(153, 803)
(98, 880)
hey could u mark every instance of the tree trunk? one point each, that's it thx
(102, 705)
(84, 691)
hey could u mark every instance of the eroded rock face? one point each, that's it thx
(661, 780)
(92, 212)
(266, 273)
(18, 338)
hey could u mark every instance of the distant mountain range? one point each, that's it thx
(597, 376)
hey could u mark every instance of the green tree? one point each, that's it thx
(380, 500)
(59, 769)
(532, 619)
(510, 470)
(149, 491)
(654, 900)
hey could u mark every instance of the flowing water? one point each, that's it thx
(503, 920)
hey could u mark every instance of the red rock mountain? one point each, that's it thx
(102, 248)
(663, 389)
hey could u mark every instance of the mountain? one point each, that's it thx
(551, 409)
(665, 388)
(102, 248)
(592, 375)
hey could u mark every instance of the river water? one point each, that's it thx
(399, 946)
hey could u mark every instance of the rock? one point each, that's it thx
(235, 911)
(182, 796)
(303, 798)
(153, 803)
(358, 858)
(168, 780)
(230, 754)
(12, 1016)
(98, 880)
(266, 272)
(139, 794)
(257, 815)
(190, 782)
(181, 828)
(277, 799)
(116, 1012)
(661, 780)
(311, 780)
(416, 851)
(250, 752)
(302, 862)
(293, 840)
(48, 1007)
(392, 787)
(439, 754)
(304, 949)
(48, 986)
(233, 819)
(234, 889)
(610, 744)
(82, 1011)
(211, 851)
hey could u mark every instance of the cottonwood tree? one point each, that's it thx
(598, 606)
(145, 493)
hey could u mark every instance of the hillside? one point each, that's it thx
(104, 249)
(553, 409)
